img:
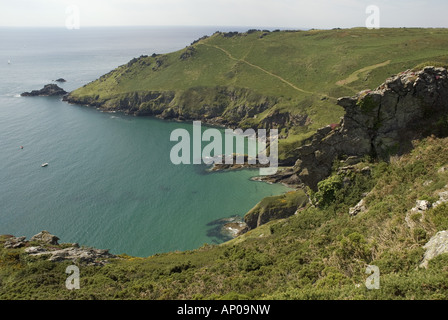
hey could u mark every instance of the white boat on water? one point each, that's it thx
(44, 164)
(9, 61)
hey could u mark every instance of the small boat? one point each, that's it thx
(9, 61)
(44, 164)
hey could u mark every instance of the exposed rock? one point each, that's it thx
(279, 120)
(45, 237)
(417, 213)
(246, 163)
(48, 246)
(286, 176)
(224, 106)
(15, 242)
(189, 52)
(227, 228)
(234, 228)
(48, 90)
(276, 207)
(359, 208)
(443, 198)
(60, 80)
(380, 123)
(89, 256)
(34, 250)
(436, 246)
(421, 205)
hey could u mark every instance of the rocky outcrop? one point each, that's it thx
(275, 207)
(45, 237)
(277, 119)
(46, 244)
(416, 215)
(380, 123)
(234, 227)
(218, 105)
(246, 163)
(359, 208)
(285, 176)
(15, 242)
(60, 80)
(89, 256)
(48, 90)
(436, 246)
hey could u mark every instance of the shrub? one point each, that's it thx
(327, 189)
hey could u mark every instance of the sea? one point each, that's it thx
(109, 182)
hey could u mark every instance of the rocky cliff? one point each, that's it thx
(380, 123)
(48, 90)
(218, 105)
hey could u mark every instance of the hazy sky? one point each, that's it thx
(251, 13)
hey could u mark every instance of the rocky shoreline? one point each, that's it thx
(46, 245)
(49, 90)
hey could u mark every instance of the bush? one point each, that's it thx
(327, 189)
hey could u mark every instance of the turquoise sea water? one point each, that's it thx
(110, 182)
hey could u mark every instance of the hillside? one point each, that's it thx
(320, 253)
(288, 80)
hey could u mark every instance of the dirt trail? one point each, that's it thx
(261, 69)
(355, 75)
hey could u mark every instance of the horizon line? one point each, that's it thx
(225, 26)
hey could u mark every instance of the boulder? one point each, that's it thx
(359, 208)
(436, 246)
(45, 237)
(15, 242)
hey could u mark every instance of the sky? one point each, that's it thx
(295, 14)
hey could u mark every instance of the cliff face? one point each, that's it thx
(381, 123)
(219, 105)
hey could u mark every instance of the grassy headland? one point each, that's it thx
(287, 80)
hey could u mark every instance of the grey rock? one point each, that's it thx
(443, 198)
(359, 208)
(422, 205)
(15, 242)
(34, 250)
(419, 210)
(45, 237)
(436, 246)
(381, 122)
(89, 256)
